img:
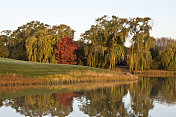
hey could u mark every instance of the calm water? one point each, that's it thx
(155, 97)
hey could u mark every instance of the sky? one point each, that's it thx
(81, 14)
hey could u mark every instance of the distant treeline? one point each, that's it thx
(101, 46)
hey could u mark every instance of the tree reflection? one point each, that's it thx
(168, 90)
(65, 99)
(147, 90)
(41, 105)
(140, 98)
(104, 102)
(107, 102)
(1, 104)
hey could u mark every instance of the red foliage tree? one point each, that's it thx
(65, 51)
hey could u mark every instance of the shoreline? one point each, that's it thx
(14, 80)
(76, 77)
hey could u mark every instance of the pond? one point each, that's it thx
(155, 97)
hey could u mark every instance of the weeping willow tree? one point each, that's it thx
(17, 40)
(3, 45)
(168, 57)
(105, 42)
(39, 47)
(140, 56)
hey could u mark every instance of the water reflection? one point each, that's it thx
(104, 102)
(38, 106)
(143, 97)
(140, 94)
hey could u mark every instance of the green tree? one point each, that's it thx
(168, 57)
(4, 37)
(140, 56)
(105, 42)
(17, 41)
(39, 47)
(81, 58)
(3, 49)
(156, 58)
(163, 53)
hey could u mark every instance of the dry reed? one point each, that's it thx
(72, 77)
(156, 73)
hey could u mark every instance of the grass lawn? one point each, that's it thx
(34, 69)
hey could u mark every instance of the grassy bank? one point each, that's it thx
(34, 69)
(20, 73)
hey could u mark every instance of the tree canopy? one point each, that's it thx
(65, 51)
(105, 42)
(35, 41)
(140, 56)
(4, 52)
(168, 57)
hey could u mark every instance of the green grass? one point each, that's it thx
(34, 69)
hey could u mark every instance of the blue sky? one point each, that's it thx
(81, 14)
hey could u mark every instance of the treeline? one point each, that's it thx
(34, 41)
(104, 45)
(101, 46)
(164, 54)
